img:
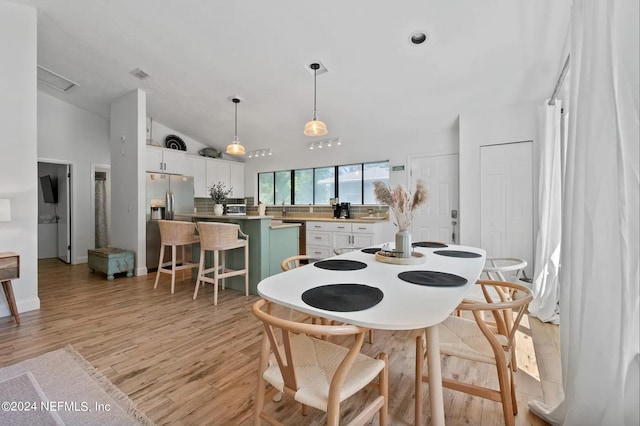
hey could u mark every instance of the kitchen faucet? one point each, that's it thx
(284, 209)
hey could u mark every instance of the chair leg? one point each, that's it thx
(505, 393)
(261, 388)
(383, 383)
(513, 395)
(173, 268)
(159, 266)
(215, 277)
(200, 269)
(371, 336)
(224, 266)
(418, 379)
(246, 270)
(183, 261)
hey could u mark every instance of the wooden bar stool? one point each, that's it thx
(220, 237)
(175, 234)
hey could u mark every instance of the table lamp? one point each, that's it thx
(5, 210)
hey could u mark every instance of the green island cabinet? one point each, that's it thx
(268, 246)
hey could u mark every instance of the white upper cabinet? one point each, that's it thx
(165, 160)
(197, 167)
(236, 179)
(229, 172)
(217, 171)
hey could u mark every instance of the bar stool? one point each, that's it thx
(220, 237)
(175, 233)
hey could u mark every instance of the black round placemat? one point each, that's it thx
(456, 253)
(343, 297)
(429, 244)
(432, 278)
(371, 250)
(340, 265)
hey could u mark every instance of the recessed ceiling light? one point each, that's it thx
(418, 37)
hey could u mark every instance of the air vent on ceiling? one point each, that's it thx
(54, 80)
(139, 74)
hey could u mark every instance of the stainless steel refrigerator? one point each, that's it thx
(167, 195)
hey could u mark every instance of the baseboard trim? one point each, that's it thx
(23, 306)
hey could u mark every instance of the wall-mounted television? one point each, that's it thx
(49, 193)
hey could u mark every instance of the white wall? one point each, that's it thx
(160, 132)
(398, 152)
(68, 134)
(512, 123)
(127, 136)
(18, 162)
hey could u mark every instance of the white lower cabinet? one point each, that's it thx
(323, 237)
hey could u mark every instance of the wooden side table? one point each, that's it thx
(10, 270)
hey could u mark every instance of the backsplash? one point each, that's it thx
(205, 205)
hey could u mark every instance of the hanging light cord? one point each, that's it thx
(236, 121)
(315, 76)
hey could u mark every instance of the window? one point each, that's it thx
(373, 172)
(324, 185)
(266, 188)
(283, 187)
(303, 191)
(350, 183)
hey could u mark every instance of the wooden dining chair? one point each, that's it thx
(316, 372)
(507, 269)
(475, 339)
(295, 262)
(174, 234)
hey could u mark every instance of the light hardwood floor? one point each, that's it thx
(187, 362)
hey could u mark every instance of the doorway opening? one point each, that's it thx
(54, 211)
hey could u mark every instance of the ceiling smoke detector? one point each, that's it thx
(419, 37)
(139, 74)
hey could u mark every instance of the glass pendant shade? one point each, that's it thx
(315, 127)
(235, 148)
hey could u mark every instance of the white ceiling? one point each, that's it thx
(199, 52)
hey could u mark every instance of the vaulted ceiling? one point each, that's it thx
(379, 85)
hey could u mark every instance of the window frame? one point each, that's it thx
(313, 186)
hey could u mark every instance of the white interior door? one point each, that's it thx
(64, 214)
(506, 205)
(433, 220)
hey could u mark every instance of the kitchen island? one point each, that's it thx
(269, 244)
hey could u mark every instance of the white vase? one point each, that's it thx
(403, 243)
(218, 209)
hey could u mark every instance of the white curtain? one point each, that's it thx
(547, 265)
(600, 279)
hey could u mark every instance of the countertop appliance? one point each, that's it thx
(167, 195)
(343, 212)
(236, 209)
(335, 205)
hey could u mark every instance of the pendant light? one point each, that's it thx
(235, 148)
(315, 127)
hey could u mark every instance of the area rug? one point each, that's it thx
(63, 388)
